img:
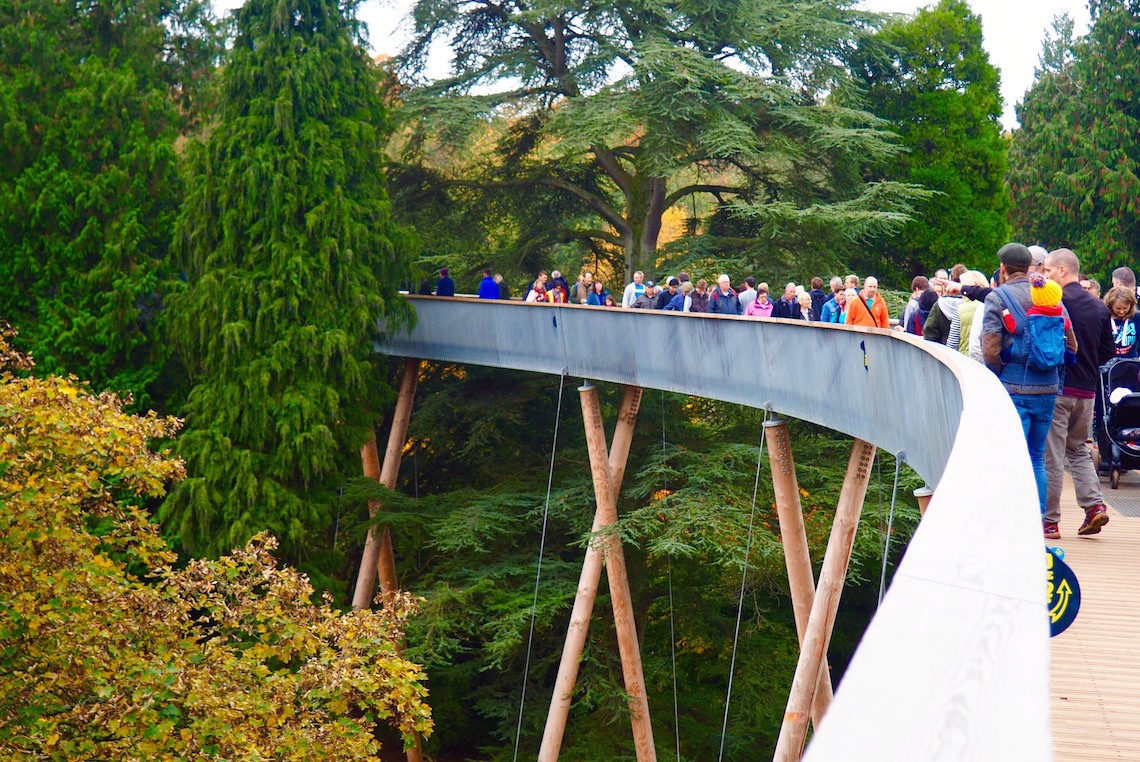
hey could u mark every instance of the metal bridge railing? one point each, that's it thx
(955, 664)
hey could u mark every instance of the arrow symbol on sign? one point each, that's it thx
(1063, 593)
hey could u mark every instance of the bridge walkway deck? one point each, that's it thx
(1095, 664)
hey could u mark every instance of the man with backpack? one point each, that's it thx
(919, 285)
(1066, 446)
(1024, 344)
(723, 300)
(927, 303)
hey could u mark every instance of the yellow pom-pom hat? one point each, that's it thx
(1045, 292)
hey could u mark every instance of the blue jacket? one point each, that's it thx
(719, 304)
(488, 288)
(596, 299)
(830, 313)
(818, 297)
(445, 287)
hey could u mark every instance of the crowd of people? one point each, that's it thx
(1038, 323)
(843, 302)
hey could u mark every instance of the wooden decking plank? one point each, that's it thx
(1095, 669)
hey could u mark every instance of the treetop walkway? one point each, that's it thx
(955, 663)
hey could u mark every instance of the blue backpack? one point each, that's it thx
(1039, 340)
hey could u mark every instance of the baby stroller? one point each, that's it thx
(1118, 418)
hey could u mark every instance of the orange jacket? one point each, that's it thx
(875, 317)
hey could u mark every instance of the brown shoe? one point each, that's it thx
(1096, 516)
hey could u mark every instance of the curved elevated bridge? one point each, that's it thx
(956, 662)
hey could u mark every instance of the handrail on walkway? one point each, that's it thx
(955, 663)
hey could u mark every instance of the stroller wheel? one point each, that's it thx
(1114, 478)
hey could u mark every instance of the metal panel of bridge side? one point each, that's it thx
(869, 385)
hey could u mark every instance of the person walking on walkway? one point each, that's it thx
(835, 308)
(818, 297)
(488, 288)
(867, 308)
(723, 300)
(648, 298)
(633, 290)
(504, 289)
(747, 294)
(1066, 446)
(537, 292)
(598, 294)
(761, 306)
(787, 306)
(1121, 303)
(1007, 352)
(700, 297)
(446, 286)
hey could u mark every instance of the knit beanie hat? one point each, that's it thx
(1045, 292)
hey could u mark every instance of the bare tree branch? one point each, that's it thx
(689, 190)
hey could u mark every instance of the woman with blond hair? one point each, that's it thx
(1121, 302)
(970, 316)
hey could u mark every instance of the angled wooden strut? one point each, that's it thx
(796, 556)
(378, 559)
(816, 639)
(608, 472)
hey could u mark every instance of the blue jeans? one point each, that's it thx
(1036, 413)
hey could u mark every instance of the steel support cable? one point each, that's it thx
(743, 580)
(672, 627)
(899, 458)
(538, 570)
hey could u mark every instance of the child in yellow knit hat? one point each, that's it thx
(1046, 296)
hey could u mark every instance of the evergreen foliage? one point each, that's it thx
(472, 504)
(590, 121)
(1074, 163)
(90, 99)
(291, 257)
(932, 79)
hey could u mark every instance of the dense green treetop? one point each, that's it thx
(610, 114)
(91, 98)
(291, 258)
(932, 79)
(1075, 163)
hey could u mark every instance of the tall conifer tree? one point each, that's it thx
(89, 110)
(291, 257)
(1075, 163)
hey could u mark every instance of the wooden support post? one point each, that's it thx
(604, 515)
(796, 556)
(378, 559)
(826, 603)
(923, 495)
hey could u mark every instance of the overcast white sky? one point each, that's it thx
(1013, 30)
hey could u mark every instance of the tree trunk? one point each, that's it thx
(644, 209)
